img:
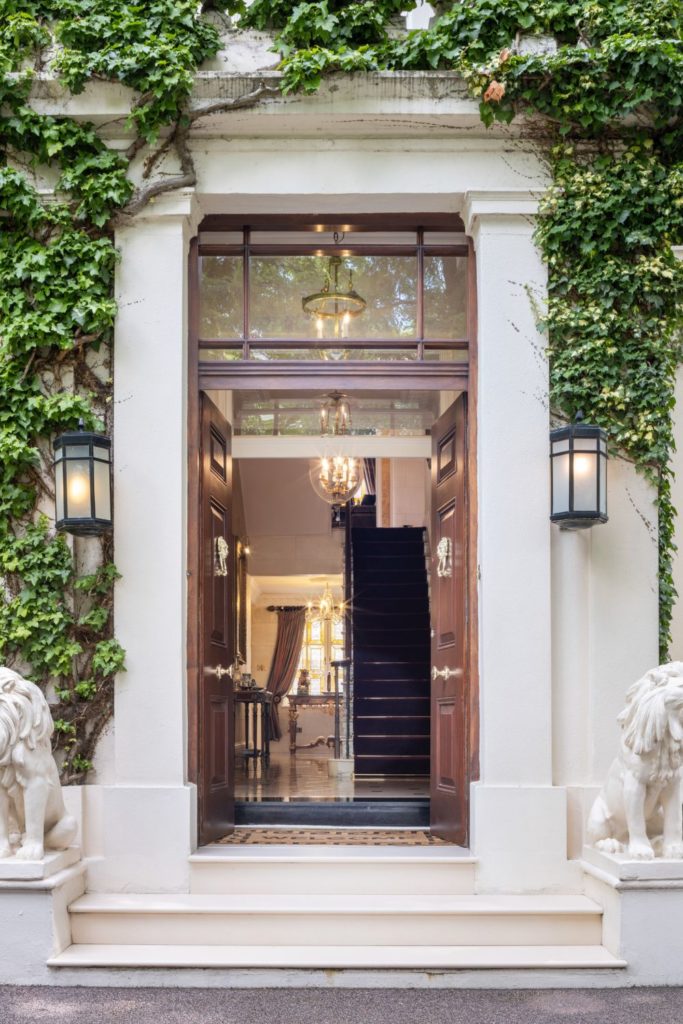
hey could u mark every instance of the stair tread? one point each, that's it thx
(447, 957)
(257, 903)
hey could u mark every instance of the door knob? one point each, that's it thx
(445, 673)
(218, 671)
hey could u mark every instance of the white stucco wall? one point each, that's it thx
(605, 634)
(548, 696)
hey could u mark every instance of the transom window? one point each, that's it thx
(337, 294)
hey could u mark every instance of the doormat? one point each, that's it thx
(331, 837)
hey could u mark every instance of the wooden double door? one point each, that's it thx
(215, 649)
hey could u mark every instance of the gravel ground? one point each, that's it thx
(338, 1006)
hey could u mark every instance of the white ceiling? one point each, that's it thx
(279, 499)
(294, 589)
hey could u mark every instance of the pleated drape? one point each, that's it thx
(288, 641)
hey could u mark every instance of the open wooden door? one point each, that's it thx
(448, 788)
(216, 781)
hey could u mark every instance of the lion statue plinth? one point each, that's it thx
(31, 800)
(639, 808)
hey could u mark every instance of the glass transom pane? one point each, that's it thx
(221, 306)
(278, 286)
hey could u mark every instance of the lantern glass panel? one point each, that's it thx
(561, 483)
(560, 446)
(102, 491)
(77, 451)
(585, 444)
(603, 485)
(101, 453)
(59, 490)
(585, 481)
(78, 489)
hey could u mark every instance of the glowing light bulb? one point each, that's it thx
(78, 488)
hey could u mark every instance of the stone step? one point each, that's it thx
(376, 920)
(351, 870)
(339, 957)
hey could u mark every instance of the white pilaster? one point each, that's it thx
(514, 530)
(518, 819)
(148, 814)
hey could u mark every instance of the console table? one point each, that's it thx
(256, 706)
(298, 701)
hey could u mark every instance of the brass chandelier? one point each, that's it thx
(336, 478)
(335, 414)
(332, 302)
(324, 608)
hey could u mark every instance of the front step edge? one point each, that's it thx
(448, 958)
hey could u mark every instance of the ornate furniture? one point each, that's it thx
(325, 701)
(256, 711)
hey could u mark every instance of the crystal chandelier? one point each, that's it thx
(335, 414)
(336, 478)
(325, 608)
(334, 303)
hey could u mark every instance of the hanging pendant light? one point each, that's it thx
(336, 478)
(325, 607)
(333, 303)
(335, 414)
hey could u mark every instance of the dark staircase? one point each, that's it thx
(390, 651)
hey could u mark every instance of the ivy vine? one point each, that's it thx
(605, 100)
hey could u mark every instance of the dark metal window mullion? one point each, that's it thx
(246, 328)
(420, 295)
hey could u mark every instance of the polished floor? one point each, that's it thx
(299, 778)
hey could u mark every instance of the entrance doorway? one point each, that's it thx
(330, 663)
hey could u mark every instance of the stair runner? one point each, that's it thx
(391, 650)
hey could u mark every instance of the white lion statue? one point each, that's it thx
(31, 801)
(639, 808)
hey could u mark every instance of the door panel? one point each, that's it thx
(449, 796)
(217, 609)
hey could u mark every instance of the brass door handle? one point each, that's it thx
(218, 671)
(445, 673)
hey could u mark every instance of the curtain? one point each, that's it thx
(288, 641)
(369, 475)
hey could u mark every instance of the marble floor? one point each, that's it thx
(297, 777)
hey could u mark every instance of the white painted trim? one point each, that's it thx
(246, 447)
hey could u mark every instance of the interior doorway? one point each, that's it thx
(338, 630)
(330, 566)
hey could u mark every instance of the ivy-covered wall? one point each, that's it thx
(602, 98)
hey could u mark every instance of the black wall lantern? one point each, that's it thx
(83, 483)
(578, 473)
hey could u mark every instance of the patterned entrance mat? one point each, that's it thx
(331, 837)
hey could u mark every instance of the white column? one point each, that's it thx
(571, 673)
(148, 815)
(519, 819)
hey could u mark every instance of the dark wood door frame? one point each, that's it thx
(317, 377)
